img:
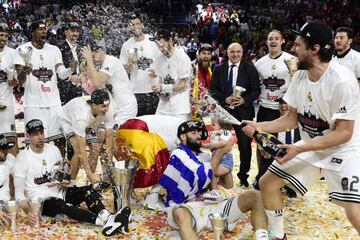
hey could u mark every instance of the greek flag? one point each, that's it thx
(185, 176)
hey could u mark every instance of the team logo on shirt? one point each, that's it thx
(43, 74)
(144, 63)
(3, 76)
(345, 183)
(273, 83)
(167, 80)
(41, 179)
(312, 125)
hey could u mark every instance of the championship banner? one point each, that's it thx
(149, 148)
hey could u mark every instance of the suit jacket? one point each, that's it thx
(67, 54)
(247, 78)
(67, 90)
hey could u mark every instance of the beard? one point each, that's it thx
(204, 64)
(305, 64)
(193, 144)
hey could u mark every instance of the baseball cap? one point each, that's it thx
(37, 24)
(4, 27)
(99, 96)
(34, 125)
(316, 33)
(71, 25)
(192, 125)
(161, 34)
(205, 47)
(4, 144)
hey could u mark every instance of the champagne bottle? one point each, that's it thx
(269, 143)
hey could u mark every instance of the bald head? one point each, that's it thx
(235, 53)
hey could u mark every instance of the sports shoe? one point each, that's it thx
(231, 226)
(212, 196)
(118, 222)
(154, 201)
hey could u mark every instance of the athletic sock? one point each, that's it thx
(276, 222)
(261, 234)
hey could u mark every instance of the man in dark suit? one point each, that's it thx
(70, 88)
(235, 72)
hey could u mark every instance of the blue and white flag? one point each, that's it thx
(185, 176)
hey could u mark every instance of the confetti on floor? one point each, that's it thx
(310, 217)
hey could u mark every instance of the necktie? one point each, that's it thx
(288, 137)
(229, 85)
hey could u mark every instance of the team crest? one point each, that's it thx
(345, 183)
(309, 97)
(273, 67)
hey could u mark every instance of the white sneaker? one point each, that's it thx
(154, 201)
(212, 196)
(118, 222)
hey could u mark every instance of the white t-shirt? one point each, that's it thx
(350, 60)
(76, 116)
(124, 97)
(33, 168)
(171, 70)
(41, 85)
(147, 51)
(8, 58)
(6, 169)
(319, 104)
(274, 78)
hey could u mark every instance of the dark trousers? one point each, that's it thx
(75, 196)
(263, 115)
(147, 103)
(244, 145)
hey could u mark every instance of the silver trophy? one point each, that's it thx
(237, 91)
(292, 65)
(122, 178)
(133, 55)
(11, 74)
(12, 208)
(25, 52)
(36, 206)
(218, 222)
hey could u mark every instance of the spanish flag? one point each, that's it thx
(148, 147)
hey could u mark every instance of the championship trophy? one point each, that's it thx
(218, 222)
(132, 55)
(36, 209)
(12, 208)
(291, 64)
(122, 177)
(237, 91)
(25, 52)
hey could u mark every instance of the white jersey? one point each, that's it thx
(351, 59)
(274, 79)
(76, 116)
(124, 97)
(41, 85)
(8, 58)
(6, 169)
(147, 51)
(319, 104)
(34, 168)
(171, 71)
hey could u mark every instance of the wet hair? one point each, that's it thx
(224, 124)
(325, 54)
(349, 32)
